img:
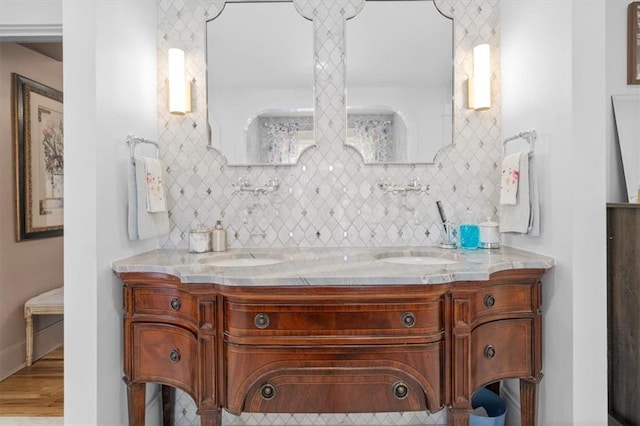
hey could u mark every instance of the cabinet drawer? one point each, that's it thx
(165, 302)
(509, 299)
(165, 354)
(334, 380)
(418, 320)
(501, 349)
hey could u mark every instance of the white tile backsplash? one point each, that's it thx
(329, 198)
(321, 196)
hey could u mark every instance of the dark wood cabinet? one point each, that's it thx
(623, 313)
(332, 349)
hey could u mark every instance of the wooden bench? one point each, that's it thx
(48, 303)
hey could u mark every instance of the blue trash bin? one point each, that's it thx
(493, 404)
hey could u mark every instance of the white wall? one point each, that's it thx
(616, 12)
(553, 69)
(110, 90)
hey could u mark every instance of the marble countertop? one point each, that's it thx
(299, 266)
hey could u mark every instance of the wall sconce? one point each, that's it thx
(179, 88)
(479, 85)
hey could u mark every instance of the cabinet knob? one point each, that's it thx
(489, 351)
(174, 356)
(408, 319)
(261, 320)
(175, 303)
(489, 301)
(400, 390)
(268, 391)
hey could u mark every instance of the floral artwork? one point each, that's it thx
(39, 165)
(53, 150)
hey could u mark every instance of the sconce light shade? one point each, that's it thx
(479, 88)
(179, 89)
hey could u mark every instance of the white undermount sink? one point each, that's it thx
(240, 261)
(417, 258)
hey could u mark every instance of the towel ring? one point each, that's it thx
(133, 141)
(530, 136)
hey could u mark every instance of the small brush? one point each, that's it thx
(442, 216)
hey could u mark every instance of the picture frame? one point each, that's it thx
(633, 43)
(38, 159)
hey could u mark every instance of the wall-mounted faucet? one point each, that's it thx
(413, 185)
(243, 185)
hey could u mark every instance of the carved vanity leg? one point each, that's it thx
(458, 417)
(528, 402)
(211, 418)
(136, 399)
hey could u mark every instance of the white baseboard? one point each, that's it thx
(13, 358)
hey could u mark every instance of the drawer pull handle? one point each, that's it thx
(408, 319)
(175, 304)
(268, 391)
(489, 301)
(489, 351)
(261, 320)
(174, 356)
(400, 390)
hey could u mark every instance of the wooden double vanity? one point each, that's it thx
(318, 332)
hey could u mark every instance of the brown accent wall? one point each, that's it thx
(27, 268)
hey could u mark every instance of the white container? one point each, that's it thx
(199, 240)
(489, 235)
(219, 237)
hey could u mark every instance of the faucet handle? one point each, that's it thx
(414, 183)
(384, 183)
(272, 184)
(240, 185)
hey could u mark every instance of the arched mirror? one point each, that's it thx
(260, 83)
(399, 81)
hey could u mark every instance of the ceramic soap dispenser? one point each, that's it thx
(219, 237)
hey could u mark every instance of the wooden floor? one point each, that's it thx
(35, 391)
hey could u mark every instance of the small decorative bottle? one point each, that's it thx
(469, 231)
(219, 240)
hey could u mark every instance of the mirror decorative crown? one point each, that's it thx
(260, 90)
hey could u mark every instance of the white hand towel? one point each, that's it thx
(510, 180)
(516, 218)
(534, 200)
(155, 189)
(142, 224)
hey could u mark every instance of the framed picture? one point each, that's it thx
(38, 159)
(633, 43)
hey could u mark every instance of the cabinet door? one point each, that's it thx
(165, 354)
(501, 349)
